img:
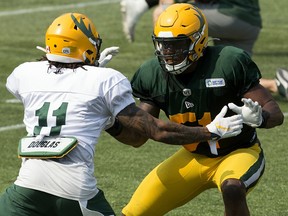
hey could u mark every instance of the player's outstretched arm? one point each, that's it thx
(135, 126)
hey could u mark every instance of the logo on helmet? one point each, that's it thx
(66, 50)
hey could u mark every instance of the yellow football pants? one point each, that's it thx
(184, 175)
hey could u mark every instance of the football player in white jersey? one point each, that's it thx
(68, 100)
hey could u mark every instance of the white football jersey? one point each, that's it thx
(79, 103)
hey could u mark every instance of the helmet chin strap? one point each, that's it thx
(179, 68)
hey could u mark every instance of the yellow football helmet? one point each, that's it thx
(72, 38)
(180, 37)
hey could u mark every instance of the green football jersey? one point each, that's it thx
(222, 76)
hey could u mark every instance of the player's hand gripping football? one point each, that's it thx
(223, 127)
(106, 55)
(251, 112)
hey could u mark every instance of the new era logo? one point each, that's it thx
(188, 104)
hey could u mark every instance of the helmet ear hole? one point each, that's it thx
(89, 52)
(202, 41)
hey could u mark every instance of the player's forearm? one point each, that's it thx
(145, 125)
(177, 134)
(272, 115)
(130, 137)
(125, 135)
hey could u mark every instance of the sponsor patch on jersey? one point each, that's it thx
(215, 82)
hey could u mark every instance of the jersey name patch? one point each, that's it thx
(215, 82)
(48, 147)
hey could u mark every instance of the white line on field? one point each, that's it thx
(11, 127)
(14, 100)
(56, 7)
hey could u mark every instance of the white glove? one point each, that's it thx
(223, 127)
(251, 112)
(106, 55)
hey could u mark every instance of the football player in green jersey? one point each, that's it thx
(231, 22)
(191, 82)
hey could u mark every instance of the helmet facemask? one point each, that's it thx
(172, 53)
(176, 54)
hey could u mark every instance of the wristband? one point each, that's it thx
(214, 137)
(265, 117)
(116, 129)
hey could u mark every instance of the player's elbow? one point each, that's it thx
(139, 142)
(134, 139)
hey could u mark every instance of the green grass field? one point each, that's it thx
(120, 168)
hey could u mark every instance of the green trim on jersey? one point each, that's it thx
(223, 75)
